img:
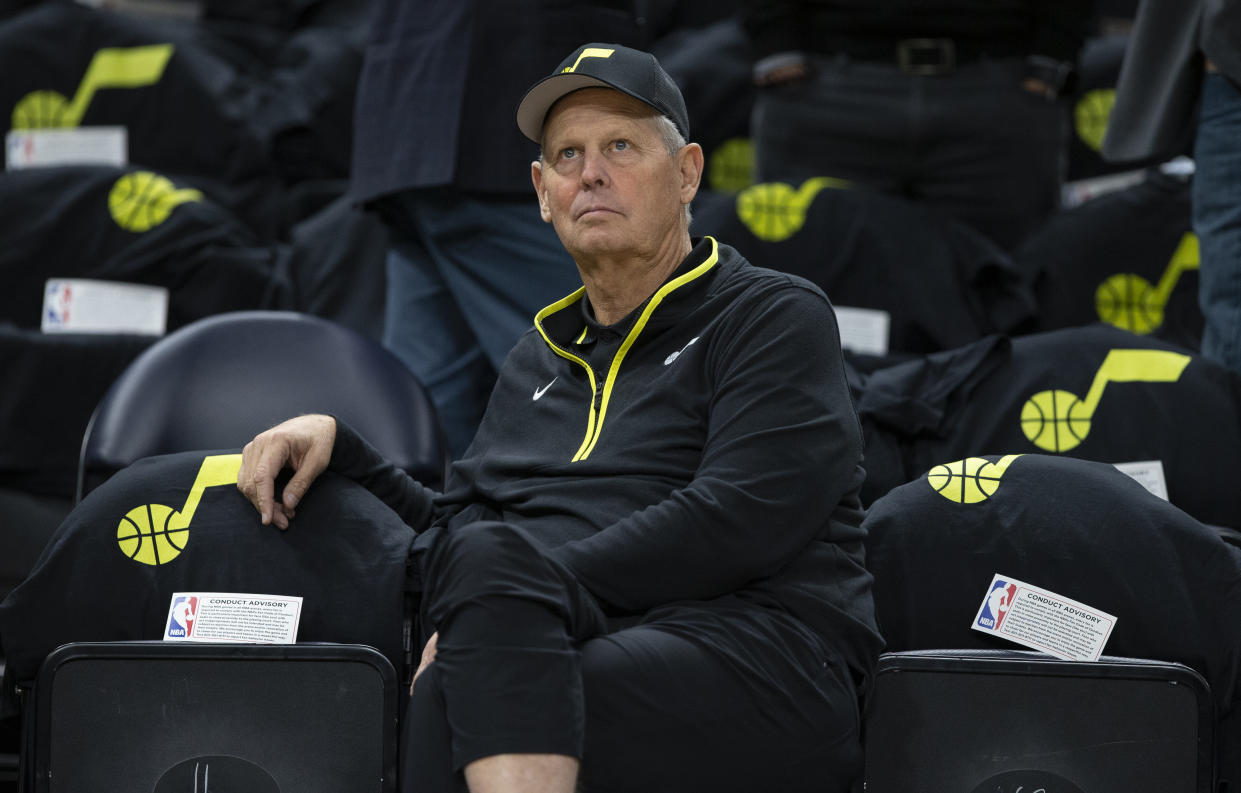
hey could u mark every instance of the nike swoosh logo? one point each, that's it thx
(539, 392)
(677, 354)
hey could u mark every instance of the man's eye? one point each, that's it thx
(568, 154)
(621, 145)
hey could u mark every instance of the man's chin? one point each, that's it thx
(596, 242)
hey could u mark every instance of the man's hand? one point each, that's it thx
(778, 75)
(782, 67)
(303, 444)
(428, 655)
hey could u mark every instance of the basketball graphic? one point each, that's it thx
(1058, 421)
(40, 110)
(770, 211)
(142, 200)
(969, 481)
(732, 165)
(774, 211)
(1132, 303)
(1128, 301)
(1055, 420)
(1091, 115)
(111, 67)
(152, 534)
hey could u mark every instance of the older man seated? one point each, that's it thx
(646, 573)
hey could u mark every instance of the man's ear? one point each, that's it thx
(690, 161)
(536, 176)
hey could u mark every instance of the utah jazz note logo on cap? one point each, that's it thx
(589, 52)
(132, 67)
(971, 480)
(774, 211)
(1129, 301)
(1058, 420)
(154, 534)
(142, 200)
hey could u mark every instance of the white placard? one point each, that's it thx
(863, 330)
(1074, 194)
(232, 617)
(1147, 473)
(82, 305)
(32, 148)
(1042, 620)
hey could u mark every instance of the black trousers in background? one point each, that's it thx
(721, 695)
(972, 142)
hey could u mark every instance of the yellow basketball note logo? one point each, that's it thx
(154, 534)
(1129, 301)
(774, 211)
(142, 200)
(732, 165)
(1057, 421)
(1091, 115)
(133, 67)
(971, 480)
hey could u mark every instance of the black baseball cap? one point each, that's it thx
(627, 70)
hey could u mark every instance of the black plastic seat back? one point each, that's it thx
(218, 382)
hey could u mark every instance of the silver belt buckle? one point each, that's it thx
(926, 56)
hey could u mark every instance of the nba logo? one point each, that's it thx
(181, 626)
(995, 608)
(57, 297)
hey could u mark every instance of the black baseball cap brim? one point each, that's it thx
(632, 72)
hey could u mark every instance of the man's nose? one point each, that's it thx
(594, 168)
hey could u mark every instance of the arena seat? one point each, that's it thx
(1082, 530)
(174, 526)
(170, 717)
(1095, 392)
(941, 283)
(218, 382)
(982, 721)
(1128, 258)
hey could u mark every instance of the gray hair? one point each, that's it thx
(674, 141)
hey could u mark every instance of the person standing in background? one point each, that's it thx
(951, 102)
(1185, 54)
(436, 155)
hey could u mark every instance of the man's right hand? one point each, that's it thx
(303, 444)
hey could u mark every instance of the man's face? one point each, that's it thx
(607, 181)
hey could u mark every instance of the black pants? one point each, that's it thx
(722, 695)
(972, 143)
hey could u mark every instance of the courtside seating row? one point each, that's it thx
(1077, 527)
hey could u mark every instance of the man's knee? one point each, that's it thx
(495, 566)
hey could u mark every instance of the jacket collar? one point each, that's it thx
(564, 321)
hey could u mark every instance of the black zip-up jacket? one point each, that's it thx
(706, 444)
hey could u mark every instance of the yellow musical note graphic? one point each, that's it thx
(774, 211)
(1128, 301)
(155, 534)
(589, 52)
(971, 480)
(141, 200)
(111, 67)
(1057, 421)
